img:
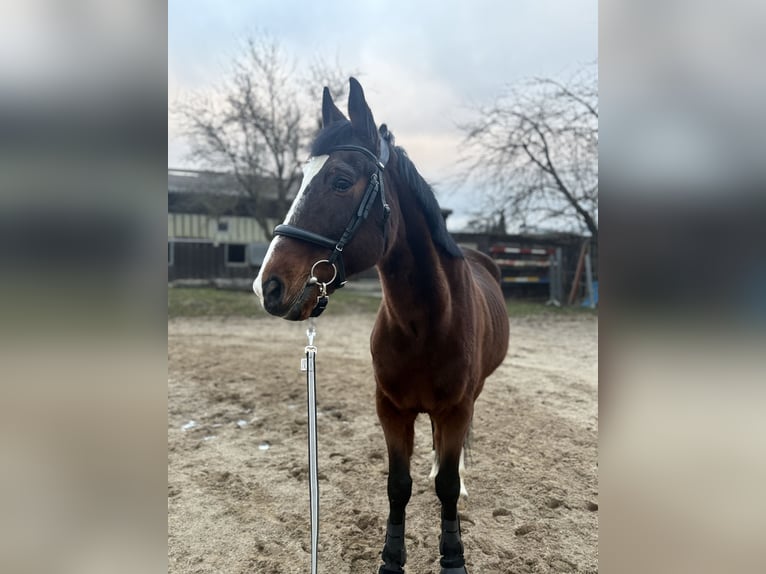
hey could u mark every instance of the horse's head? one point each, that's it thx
(337, 223)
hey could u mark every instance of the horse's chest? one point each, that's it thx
(419, 378)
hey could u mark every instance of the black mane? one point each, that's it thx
(340, 132)
(428, 204)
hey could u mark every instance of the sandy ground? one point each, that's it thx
(237, 461)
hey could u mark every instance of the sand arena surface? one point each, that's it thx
(237, 475)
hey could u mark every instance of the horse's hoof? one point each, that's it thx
(384, 570)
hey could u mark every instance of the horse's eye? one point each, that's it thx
(342, 184)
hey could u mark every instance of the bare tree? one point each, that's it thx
(535, 152)
(488, 222)
(255, 125)
(334, 76)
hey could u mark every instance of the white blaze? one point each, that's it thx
(310, 169)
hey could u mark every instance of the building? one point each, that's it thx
(214, 236)
(547, 266)
(212, 231)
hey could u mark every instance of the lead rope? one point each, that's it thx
(309, 366)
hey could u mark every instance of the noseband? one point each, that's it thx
(335, 259)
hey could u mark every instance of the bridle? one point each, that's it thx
(335, 260)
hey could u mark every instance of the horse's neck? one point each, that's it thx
(414, 278)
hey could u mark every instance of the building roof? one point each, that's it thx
(216, 183)
(217, 193)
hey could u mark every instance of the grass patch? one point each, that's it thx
(211, 302)
(528, 308)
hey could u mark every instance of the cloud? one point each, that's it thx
(423, 65)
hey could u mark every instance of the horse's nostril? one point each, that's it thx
(272, 293)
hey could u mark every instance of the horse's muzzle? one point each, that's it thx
(272, 291)
(276, 300)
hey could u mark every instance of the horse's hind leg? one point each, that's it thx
(399, 430)
(434, 454)
(435, 462)
(451, 431)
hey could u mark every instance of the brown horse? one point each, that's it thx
(442, 327)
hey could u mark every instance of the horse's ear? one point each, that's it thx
(362, 122)
(330, 112)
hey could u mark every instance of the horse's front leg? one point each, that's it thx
(399, 430)
(452, 429)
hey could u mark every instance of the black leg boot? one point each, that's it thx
(394, 554)
(451, 548)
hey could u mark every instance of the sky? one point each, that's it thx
(424, 66)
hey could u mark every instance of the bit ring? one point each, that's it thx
(313, 277)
